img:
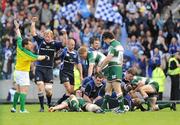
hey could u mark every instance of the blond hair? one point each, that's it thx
(48, 31)
(82, 50)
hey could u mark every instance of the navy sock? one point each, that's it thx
(49, 100)
(41, 99)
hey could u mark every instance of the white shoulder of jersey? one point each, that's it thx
(119, 48)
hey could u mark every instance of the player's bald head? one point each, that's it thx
(71, 44)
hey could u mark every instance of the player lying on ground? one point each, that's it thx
(149, 89)
(76, 103)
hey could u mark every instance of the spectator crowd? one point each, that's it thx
(149, 38)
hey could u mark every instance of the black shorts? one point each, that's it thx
(44, 74)
(66, 77)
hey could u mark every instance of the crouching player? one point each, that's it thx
(149, 89)
(76, 103)
(22, 68)
(131, 98)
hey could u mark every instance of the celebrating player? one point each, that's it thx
(22, 68)
(44, 69)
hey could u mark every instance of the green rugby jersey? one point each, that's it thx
(95, 57)
(116, 50)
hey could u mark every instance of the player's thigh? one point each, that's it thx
(147, 89)
(39, 73)
(133, 94)
(48, 75)
(64, 77)
(116, 87)
(24, 89)
(91, 107)
(48, 88)
(71, 79)
(136, 101)
(108, 88)
(40, 85)
(153, 101)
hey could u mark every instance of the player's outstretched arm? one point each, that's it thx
(63, 105)
(18, 33)
(42, 57)
(33, 26)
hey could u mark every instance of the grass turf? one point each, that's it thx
(163, 117)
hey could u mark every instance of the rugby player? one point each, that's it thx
(44, 69)
(114, 60)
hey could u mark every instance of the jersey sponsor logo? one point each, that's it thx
(74, 56)
(67, 54)
(48, 49)
(37, 78)
(67, 78)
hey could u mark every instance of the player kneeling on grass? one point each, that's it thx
(76, 103)
(22, 68)
(149, 89)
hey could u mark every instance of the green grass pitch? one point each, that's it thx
(163, 117)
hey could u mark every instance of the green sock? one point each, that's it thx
(162, 106)
(22, 101)
(121, 102)
(147, 101)
(15, 100)
(105, 101)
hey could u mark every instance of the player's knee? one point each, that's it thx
(119, 94)
(48, 89)
(136, 101)
(40, 86)
(92, 107)
(154, 108)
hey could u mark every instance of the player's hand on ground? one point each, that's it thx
(51, 109)
(34, 19)
(16, 24)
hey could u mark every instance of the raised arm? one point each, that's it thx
(33, 26)
(18, 33)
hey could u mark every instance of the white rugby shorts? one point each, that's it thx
(21, 78)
